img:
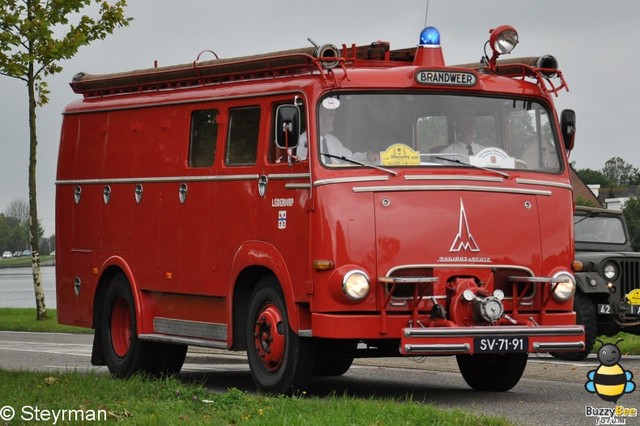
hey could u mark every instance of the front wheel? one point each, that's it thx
(492, 372)
(280, 361)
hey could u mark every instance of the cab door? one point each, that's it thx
(284, 198)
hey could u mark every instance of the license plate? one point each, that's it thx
(500, 344)
(604, 309)
(635, 309)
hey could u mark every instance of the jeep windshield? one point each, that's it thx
(417, 129)
(596, 227)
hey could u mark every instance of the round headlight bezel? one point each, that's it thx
(356, 285)
(563, 291)
(610, 271)
(503, 39)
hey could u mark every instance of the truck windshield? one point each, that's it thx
(396, 130)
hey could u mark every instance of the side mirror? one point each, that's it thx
(287, 129)
(568, 123)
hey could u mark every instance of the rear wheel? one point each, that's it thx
(280, 361)
(124, 353)
(492, 372)
(586, 315)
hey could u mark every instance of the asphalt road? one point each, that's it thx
(550, 393)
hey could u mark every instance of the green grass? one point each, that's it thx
(169, 401)
(630, 344)
(25, 262)
(24, 319)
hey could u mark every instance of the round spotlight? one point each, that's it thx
(503, 39)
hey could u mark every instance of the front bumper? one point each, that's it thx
(489, 339)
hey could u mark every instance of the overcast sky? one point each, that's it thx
(595, 43)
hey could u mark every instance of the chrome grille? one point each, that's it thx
(501, 281)
(629, 275)
(405, 291)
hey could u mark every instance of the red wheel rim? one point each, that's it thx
(120, 327)
(269, 337)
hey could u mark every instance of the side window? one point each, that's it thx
(242, 140)
(204, 132)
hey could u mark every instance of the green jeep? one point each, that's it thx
(607, 297)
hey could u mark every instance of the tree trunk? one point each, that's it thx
(41, 308)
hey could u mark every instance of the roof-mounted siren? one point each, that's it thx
(327, 53)
(429, 53)
(548, 66)
(502, 40)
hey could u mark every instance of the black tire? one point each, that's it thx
(587, 316)
(280, 361)
(123, 352)
(492, 372)
(333, 357)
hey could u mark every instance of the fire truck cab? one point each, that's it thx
(317, 205)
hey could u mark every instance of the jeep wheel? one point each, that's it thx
(587, 316)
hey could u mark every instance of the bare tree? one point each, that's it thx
(30, 50)
(19, 210)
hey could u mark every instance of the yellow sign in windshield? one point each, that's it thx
(400, 155)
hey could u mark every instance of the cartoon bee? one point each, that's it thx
(609, 381)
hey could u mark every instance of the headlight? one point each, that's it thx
(563, 291)
(355, 285)
(610, 271)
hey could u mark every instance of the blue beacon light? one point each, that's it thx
(430, 36)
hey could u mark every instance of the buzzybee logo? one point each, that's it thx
(610, 381)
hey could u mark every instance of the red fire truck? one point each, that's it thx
(317, 205)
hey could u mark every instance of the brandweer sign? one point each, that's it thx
(450, 78)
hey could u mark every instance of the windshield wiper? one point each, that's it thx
(587, 216)
(373, 166)
(503, 174)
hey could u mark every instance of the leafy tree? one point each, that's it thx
(619, 172)
(590, 176)
(632, 216)
(35, 36)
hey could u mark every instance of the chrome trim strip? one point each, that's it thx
(451, 188)
(351, 180)
(458, 266)
(297, 185)
(502, 331)
(183, 340)
(190, 329)
(407, 280)
(441, 348)
(543, 183)
(283, 176)
(558, 345)
(455, 177)
(158, 179)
